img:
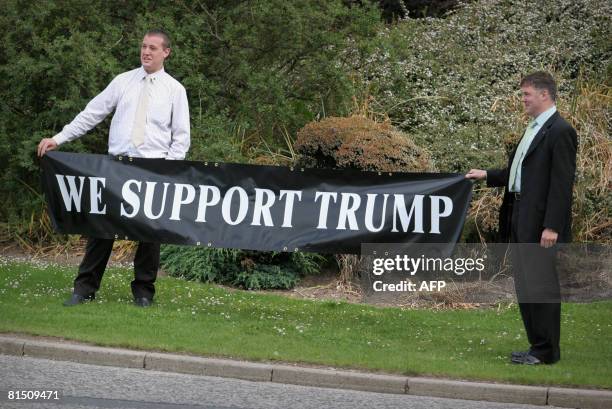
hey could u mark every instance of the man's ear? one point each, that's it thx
(167, 52)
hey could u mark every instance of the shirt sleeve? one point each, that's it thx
(96, 110)
(181, 138)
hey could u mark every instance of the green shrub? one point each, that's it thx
(253, 270)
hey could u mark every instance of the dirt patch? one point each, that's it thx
(324, 286)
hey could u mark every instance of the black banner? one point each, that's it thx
(250, 206)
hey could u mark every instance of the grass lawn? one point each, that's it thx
(207, 320)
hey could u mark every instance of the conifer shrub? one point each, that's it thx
(251, 270)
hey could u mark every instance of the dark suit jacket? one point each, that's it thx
(547, 178)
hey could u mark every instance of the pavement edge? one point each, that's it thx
(328, 378)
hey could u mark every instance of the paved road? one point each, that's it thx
(93, 387)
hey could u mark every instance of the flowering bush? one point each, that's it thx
(452, 85)
(450, 82)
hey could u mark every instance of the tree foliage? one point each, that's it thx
(253, 71)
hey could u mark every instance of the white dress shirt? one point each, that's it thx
(167, 133)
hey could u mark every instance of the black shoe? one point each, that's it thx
(518, 354)
(526, 359)
(77, 299)
(143, 302)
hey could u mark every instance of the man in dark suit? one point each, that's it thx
(536, 214)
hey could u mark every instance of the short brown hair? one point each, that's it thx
(541, 80)
(160, 33)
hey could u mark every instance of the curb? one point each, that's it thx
(327, 378)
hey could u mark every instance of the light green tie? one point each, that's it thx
(515, 170)
(140, 118)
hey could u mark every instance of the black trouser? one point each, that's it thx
(538, 293)
(97, 253)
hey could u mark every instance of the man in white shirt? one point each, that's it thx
(151, 120)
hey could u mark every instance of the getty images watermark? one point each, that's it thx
(404, 264)
(485, 273)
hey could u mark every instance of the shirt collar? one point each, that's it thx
(142, 73)
(545, 116)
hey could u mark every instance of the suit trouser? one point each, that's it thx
(538, 293)
(97, 253)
